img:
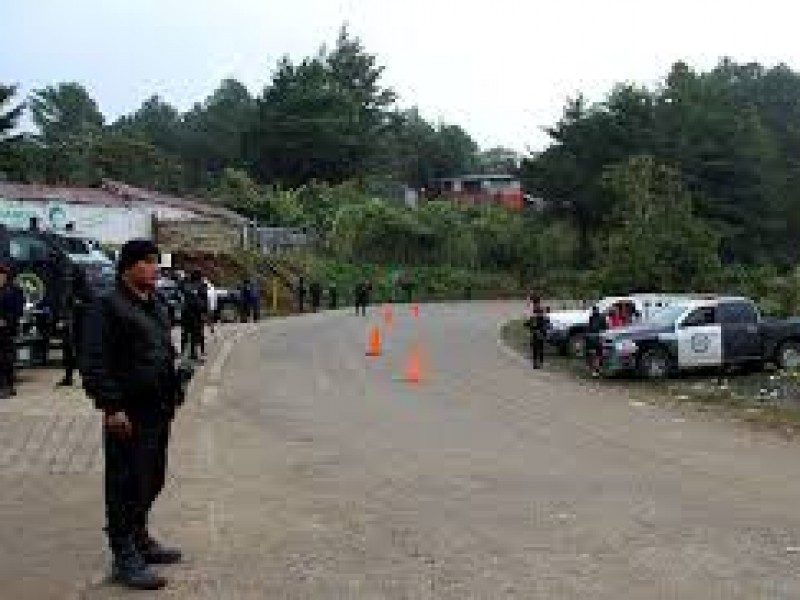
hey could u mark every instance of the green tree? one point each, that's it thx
(63, 111)
(213, 132)
(657, 243)
(157, 122)
(69, 125)
(10, 156)
(135, 160)
(320, 119)
(9, 115)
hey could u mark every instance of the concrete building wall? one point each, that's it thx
(107, 224)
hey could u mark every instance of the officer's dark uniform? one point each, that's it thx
(195, 309)
(333, 297)
(315, 289)
(249, 301)
(128, 364)
(538, 324)
(12, 304)
(361, 299)
(301, 295)
(78, 301)
(597, 324)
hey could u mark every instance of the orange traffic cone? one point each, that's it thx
(414, 366)
(374, 342)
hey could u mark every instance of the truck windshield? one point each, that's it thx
(75, 246)
(668, 315)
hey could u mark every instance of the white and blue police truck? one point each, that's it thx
(711, 332)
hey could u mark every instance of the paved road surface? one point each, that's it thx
(305, 470)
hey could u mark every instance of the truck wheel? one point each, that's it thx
(228, 313)
(788, 356)
(576, 345)
(655, 363)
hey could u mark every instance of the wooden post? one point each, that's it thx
(274, 295)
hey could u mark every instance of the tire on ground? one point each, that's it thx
(788, 355)
(655, 362)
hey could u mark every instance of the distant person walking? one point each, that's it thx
(333, 297)
(315, 291)
(361, 298)
(250, 301)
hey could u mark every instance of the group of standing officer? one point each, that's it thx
(315, 292)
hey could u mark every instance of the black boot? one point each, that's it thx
(155, 553)
(131, 571)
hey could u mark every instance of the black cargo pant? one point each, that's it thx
(193, 336)
(135, 472)
(71, 345)
(537, 350)
(8, 356)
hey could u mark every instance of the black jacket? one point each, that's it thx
(195, 300)
(12, 306)
(128, 360)
(538, 323)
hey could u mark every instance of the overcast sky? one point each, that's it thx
(500, 68)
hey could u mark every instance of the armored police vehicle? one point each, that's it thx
(710, 332)
(49, 272)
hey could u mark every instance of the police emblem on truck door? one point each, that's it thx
(32, 286)
(700, 343)
(700, 339)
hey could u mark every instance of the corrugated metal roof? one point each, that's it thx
(115, 193)
(22, 191)
(196, 205)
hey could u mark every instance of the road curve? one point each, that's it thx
(339, 479)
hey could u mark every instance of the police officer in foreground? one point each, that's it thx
(538, 323)
(128, 368)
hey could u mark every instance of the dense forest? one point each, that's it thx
(324, 118)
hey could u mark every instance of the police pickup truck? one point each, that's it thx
(568, 327)
(711, 332)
